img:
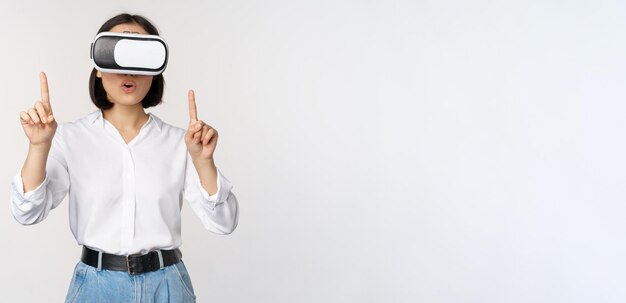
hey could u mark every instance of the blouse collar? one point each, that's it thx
(97, 116)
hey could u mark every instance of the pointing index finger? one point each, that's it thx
(193, 112)
(45, 95)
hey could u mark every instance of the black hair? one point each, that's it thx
(96, 90)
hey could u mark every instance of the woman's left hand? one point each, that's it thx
(201, 138)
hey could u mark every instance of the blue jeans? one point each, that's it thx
(168, 284)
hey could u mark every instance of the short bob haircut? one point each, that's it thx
(96, 90)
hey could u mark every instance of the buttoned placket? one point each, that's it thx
(128, 186)
(128, 199)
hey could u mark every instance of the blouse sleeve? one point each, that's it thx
(219, 212)
(34, 206)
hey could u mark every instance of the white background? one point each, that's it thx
(381, 151)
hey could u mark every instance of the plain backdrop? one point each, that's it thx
(381, 151)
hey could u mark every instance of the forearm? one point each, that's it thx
(208, 174)
(34, 169)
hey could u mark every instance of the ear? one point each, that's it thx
(98, 74)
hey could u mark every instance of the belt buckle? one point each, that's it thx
(128, 267)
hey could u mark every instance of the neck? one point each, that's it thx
(126, 118)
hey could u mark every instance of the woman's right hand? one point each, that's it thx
(38, 122)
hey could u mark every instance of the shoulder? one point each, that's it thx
(84, 120)
(78, 125)
(167, 128)
(81, 125)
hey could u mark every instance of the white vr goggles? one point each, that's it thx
(126, 53)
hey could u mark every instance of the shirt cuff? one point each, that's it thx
(223, 190)
(36, 194)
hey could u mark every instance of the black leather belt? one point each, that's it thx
(133, 264)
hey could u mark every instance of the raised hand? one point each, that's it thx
(201, 138)
(38, 122)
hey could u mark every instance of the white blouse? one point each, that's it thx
(124, 198)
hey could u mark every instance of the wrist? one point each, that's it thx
(45, 146)
(203, 161)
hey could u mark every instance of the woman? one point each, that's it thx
(126, 172)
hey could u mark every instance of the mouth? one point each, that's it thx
(128, 86)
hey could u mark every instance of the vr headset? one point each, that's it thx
(128, 53)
